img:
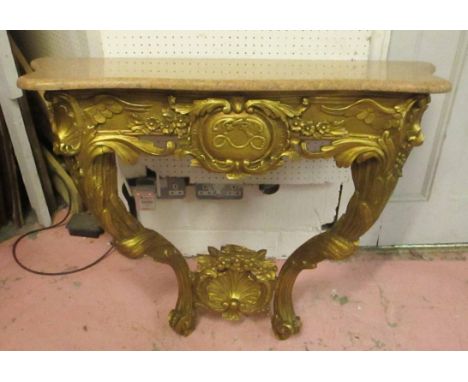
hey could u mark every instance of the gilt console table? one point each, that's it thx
(236, 117)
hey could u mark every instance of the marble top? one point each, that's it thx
(232, 75)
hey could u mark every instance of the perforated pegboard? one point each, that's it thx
(292, 172)
(299, 171)
(332, 45)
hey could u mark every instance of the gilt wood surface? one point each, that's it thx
(237, 126)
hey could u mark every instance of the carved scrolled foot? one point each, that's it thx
(183, 318)
(284, 329)
(285, 322)
(182, 321)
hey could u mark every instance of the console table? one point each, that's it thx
(236, 117)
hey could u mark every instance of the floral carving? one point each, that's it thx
(170, 123)
(318, 130)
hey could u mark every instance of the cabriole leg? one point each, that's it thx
(373, 187)
(376, 163)
(99, 186)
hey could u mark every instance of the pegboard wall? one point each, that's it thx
(331, 45)
(291, 172)
(311, 44)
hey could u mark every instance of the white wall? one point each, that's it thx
(430, 204)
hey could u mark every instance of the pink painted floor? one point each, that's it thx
(376, 301)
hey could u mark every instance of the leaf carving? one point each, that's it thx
(347, 150)
(128, 148)
(277, 109)
(104, 107)
(200, 108)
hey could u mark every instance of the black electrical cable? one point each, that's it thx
(61, 222)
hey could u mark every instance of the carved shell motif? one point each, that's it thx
(235, 281)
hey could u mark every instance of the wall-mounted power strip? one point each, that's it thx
(219, 191)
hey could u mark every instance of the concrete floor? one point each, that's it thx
(410, 300)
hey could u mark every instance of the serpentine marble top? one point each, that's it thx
(232, 75)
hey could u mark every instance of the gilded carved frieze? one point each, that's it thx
(235, 136)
